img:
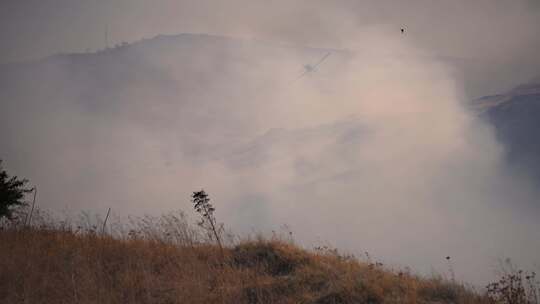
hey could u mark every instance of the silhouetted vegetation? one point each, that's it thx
(12, 192)
(515, 286)
(201, 204)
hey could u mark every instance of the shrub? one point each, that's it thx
(12, 191)
(515, 286)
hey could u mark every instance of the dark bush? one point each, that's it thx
(12, 191)
(276, 259)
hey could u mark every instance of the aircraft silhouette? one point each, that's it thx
(308, 68)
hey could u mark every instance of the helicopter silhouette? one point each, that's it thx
(308, 68)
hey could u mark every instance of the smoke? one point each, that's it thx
(373, 151)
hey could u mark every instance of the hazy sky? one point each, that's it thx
(482, 29)
(501, 37)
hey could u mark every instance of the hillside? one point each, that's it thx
(514, 115)
(46, 265)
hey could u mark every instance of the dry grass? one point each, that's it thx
(51, 265)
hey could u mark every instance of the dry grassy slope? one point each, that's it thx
(51, 266)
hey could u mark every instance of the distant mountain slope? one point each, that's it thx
(165, 104)
(515, 116)
(168, 82)
(187, 90)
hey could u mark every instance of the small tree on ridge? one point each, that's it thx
(201, 204)
(12, 191)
